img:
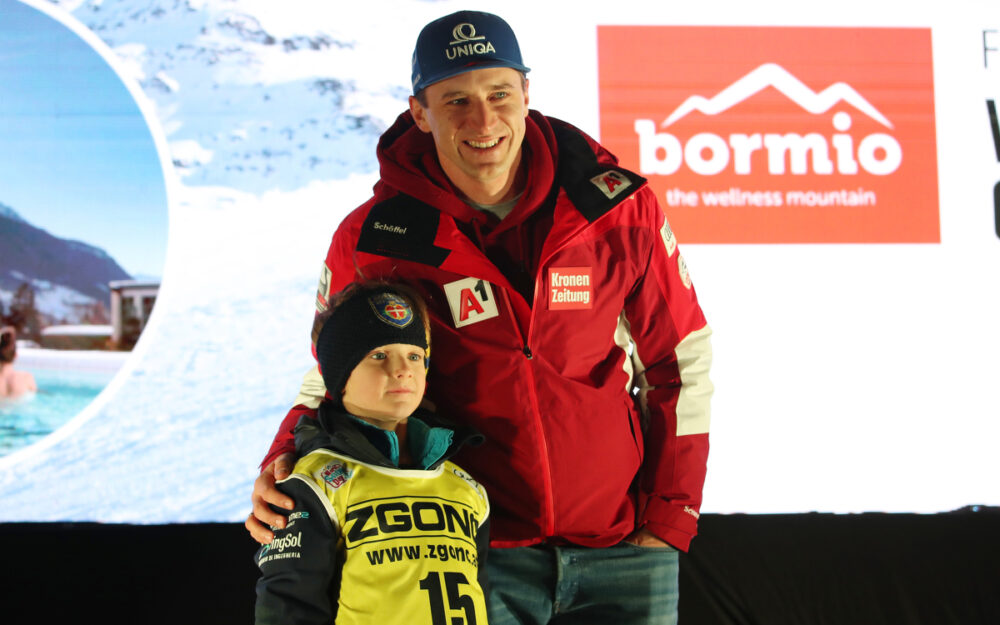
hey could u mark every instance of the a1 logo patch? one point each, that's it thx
(611, 183)
(471, 300)
(571, 288)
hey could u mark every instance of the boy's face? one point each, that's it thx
(387, 385)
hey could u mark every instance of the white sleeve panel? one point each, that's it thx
(694, 358)
(312, 391)
(318, 492)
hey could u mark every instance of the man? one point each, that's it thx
(565, 328)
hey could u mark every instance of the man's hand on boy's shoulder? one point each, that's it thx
(265, 494)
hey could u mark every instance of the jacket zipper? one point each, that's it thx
(549, 519)
(539, 288)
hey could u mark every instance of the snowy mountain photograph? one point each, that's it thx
(251, 132)
(50, 265)
(267, 125)
(82, 192)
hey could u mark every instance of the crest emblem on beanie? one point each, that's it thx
(391, 309)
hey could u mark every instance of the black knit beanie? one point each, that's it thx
(369, 318)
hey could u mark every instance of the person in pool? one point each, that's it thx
(13, 383)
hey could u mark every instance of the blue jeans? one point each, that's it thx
(623, 584)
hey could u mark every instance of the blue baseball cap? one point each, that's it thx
(462, 42)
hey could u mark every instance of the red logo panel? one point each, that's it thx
(777, 135)
(571, 288)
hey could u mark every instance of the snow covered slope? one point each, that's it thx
(271, 113)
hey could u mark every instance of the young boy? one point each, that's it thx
(385, 529)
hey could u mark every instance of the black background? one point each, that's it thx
(742, 569)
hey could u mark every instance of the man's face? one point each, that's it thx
(477, 120)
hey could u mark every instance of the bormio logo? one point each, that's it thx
(777, 135)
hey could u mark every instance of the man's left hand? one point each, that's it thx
(645, 538)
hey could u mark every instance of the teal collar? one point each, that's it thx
(427, 444)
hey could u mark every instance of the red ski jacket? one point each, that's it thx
(569, 334)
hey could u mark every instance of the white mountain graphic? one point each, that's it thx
(773, 75)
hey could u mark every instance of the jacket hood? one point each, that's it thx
(408, 163)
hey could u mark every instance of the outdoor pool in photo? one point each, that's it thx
(67, 383)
